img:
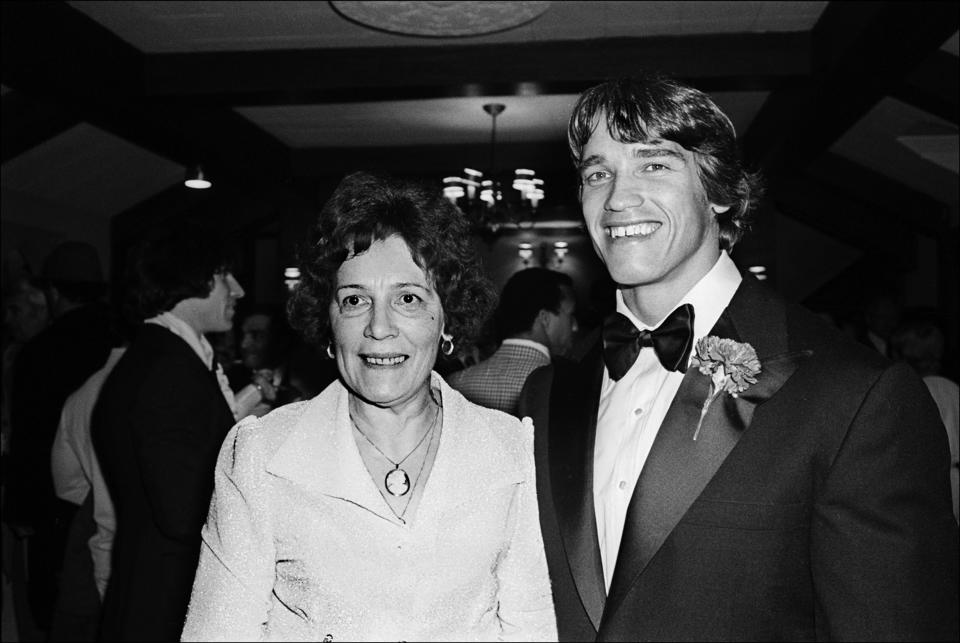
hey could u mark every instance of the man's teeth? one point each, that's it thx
(385, 361)
(637, 229)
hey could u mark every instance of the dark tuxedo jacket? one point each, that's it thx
(814, 506)
(157, 429)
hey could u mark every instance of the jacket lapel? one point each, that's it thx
(573, 423)
(321, 457)
(678, 467)
(466, 466)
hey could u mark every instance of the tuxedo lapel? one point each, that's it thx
(573, 422)
(678, 467)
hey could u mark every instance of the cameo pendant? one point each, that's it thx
(397, 482)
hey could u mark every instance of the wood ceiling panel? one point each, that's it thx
(167, 27)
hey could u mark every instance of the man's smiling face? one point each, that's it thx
(646, 211)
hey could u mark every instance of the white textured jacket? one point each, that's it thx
(300, 545)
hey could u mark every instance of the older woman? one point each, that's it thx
(388, 507)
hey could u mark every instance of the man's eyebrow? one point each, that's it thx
(639, 152)
(653, 152)
(593, 159)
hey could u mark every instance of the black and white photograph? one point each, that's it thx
(480, 321)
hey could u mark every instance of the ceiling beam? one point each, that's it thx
(27, 122)
(55, 53)
(837, 213)
(905, 205)
(441, 160)
(364, 74)
(862, 51)
(934, 86)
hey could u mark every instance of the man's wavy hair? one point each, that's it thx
(178, 266)
(651, 107)
(365, 208)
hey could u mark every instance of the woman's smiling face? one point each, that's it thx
(386, 319)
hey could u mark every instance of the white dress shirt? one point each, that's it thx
(632, 410)
(76, 471)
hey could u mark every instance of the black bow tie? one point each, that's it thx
(672, 341)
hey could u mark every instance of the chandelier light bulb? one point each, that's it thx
(487, 201)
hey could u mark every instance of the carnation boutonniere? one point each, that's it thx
(732, 367)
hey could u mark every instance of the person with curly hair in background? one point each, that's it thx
(388, 507)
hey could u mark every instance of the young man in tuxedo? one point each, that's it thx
(774, 482)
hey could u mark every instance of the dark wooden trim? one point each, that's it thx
(934, 86)
(345, 74)
(50, 48)
(862, 51)
(27, 122)
(839, 214)
(53, 52)
(443, 160)
(921, 212)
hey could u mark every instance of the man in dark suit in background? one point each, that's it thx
(157, 429)
(723, 466)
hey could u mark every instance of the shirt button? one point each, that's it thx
(638, 412)
(622, 485)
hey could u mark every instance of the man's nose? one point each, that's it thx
(625, 193)
(234, 288)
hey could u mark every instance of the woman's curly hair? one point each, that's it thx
(651, 106)
(365, 208)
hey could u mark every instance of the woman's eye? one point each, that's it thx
(352, 301)
(655, 167)
(409, 299)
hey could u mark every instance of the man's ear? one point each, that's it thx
(543, 317)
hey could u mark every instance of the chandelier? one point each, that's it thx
(492, 200)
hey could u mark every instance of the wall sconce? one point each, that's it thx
(760, 272)
(560, 250)
(291, 277)
(525, 250)
(196, 179)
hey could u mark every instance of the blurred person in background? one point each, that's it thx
(47, 369)
(535, 321)
(25, 314)
(77, 479)
(881, 317)
(266, 345)
(919, 341)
